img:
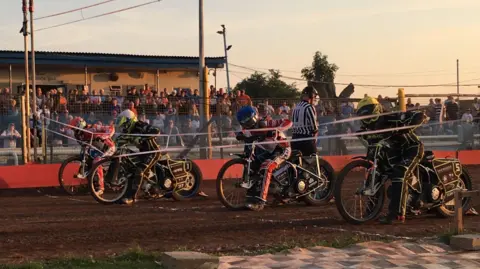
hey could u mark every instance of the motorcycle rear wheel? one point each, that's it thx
(466, 182)
(339, 198)
(194, 181)
(119, 182)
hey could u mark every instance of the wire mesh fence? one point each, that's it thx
(180, 121)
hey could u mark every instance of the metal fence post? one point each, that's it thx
(24, 130)
(44, 139)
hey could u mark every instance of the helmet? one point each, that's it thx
(78, 122)
(247, 117)
(369, 106)
(125, 120)
(310, 91)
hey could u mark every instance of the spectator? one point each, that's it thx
(173, 137)
(451, 109)
(159, 121)
(115, 107)
(243, 99)
(269, 109)
(10, 136)
(409, 103)
(143, 118)
(467, 116)
(131, 106)
(285, 109)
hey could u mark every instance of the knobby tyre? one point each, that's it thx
(222, 182)
(75, 189)
(379, 197)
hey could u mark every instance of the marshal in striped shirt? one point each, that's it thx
(304, 119)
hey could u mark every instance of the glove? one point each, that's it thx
(240, 136)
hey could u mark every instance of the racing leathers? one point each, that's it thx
(276, 148)
(143, 135)
(101, 138)
(404, 152)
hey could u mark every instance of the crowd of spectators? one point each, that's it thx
(177, 111)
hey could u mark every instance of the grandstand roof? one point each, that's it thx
(80, 59)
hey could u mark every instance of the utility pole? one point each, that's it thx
(26, 112)
(34, 86)
(203, 90)
(458, 79)
(215, 76)
(226, 48)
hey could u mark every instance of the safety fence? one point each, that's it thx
(178, 118)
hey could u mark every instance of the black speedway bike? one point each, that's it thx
(177, 178)
(301, 178)
(431, 185)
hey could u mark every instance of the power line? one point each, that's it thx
(100, 15)
(453, 84)
(418, 73)
(73, 10)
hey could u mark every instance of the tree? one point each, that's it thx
(321, 75)
(261, 85)
(320, 70)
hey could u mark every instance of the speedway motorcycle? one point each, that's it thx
(431, 185)
(301, 178)
(176, 178)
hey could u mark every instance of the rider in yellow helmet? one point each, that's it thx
(405, 150)
(143, 135)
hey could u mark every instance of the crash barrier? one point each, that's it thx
(46, 175)
(459, 195)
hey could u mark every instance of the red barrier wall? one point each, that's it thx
(46, 175)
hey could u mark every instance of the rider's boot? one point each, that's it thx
(132, 188)
(396, 205)
(253, 201)
(392, 218)
(255, 204)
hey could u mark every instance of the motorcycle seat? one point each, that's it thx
(296, 153)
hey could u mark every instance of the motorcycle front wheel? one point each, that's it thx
(77, 182)
(324, 194)
(369, 207)
(232, 178)
(115, 183)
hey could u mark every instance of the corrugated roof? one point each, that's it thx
(108, 54)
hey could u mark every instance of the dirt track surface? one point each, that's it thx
(45, 226)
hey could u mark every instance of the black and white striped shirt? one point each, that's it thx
(304, 119)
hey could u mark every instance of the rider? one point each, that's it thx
(277, 151)
(404, 153)
(101, 138)
(143, 135)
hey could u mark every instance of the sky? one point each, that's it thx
(372, 41)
